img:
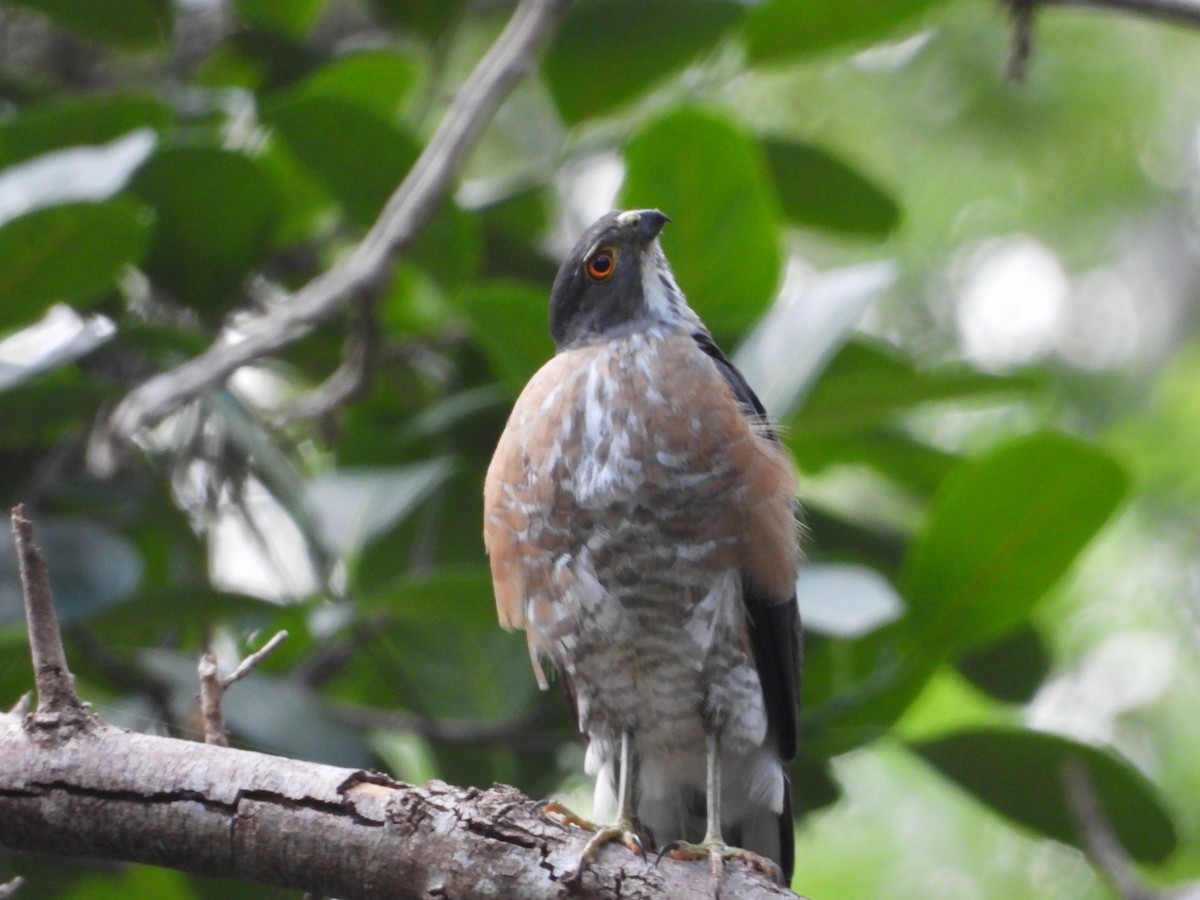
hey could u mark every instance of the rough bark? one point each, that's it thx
(104, 792)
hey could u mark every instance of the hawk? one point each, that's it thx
(640, 524)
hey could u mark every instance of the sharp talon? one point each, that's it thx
(636, 846)
(716, 852)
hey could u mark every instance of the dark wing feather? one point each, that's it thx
(749, 401)
(774, 621)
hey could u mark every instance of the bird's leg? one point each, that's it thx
(621, 830)
(713, 845)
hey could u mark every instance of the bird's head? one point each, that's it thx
(616, 280)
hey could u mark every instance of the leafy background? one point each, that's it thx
(968, 301)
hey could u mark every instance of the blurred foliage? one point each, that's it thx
(1006, 546)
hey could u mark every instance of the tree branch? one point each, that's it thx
(338, 832)
(1103, 846)
(72, 784)
(363, 271)
(57, 703)
(1181, 12)
(213, 687)
(348, 382)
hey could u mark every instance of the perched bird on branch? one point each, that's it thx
(639, 519)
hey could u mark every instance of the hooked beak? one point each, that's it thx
(647, 222)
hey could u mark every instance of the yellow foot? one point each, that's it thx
(716, 852)
(621, 832)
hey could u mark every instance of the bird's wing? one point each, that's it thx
(774, 618)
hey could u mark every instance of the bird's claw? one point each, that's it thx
(556, 812)
(622, 832)
(716, 852)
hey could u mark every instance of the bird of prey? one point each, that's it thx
(640, 524)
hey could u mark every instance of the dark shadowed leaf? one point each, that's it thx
(814, 786)
(217, 211)
(39, 412)
(428, 18)
(129, 23)
(509, 319)
(609, 51)
(890, 452)
(832, 535)
(1019, 774)
(359, 156)
(868, 382)
(723, 242)
(69, 253)
(259, 59)
(512, 228)
(817, 189)
(292, 17)
(1003, 529)
(75, 121)
(782, 29)
(1011, 668)
(448, 246)
(483, 673)
(91, 567)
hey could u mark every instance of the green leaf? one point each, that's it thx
(74, 121)
(484, 672)
(723, 242)
(291, 17)
(40, 412)
(217, 213)
(1011, 668)
(784, 29)
(509, 319)
(350, 507)
(448, 246)
(817, 189)
(134, 24)
(377, 80)
(70, 253)
(867, 383)
(891, 453)
(609, 51)
(1019, 774)
(360, 157)
(512, 232)
(429, 18)
(1002, 530)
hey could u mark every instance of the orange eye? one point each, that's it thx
(601, 265)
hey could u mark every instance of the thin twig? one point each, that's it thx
(364, 270)
(349, 381)
(10, 888)
(1021, 12)
(1181, 12)
(247, 665)
(57, 702)
(1099, 837)
(213, 687)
